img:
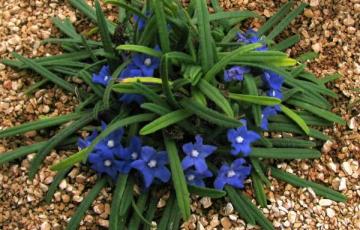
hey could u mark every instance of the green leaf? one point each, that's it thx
(45, 73)
(151, 210)
(225, 60)
(155, 108)
(66, 27)
(259, 190)
(331, 77)
(126, 199)
(20, 152)
(275, 18)
(238, 15)
(82, 155)
(308, 56)
(40, 124)
(85, 204)
(140, 49)
(318, 189)
(138, 207)
(170, 207)
(56, 140)
(255, 163)
(127, 7)
(209, 114)
(258, 100)
(208, 192)
(287, 43)
(296, 118)
(283, 127)
(291, 143)
(164, 72)
(165, 121)
(207, 56)
(105, 34)
(240, 206)
(178, 178)
(158, 8)
(285, 153)
(150, 94)
(286, 21)
(251, 87)
(319, 112)
(117, 196)
(216, 96)
(54, 185)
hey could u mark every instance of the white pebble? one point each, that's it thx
(325, 202)
(345, 166)
(330, 212)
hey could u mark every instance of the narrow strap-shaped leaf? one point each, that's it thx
(165, 121)
(40, 124)
(209, 114)
(331, 77)
(275, 18)
(258, 215)
(258, 100)
(259, 190)
(318, 112)
(174, 219)
(116, 199)
(139, 208)
(216, 96)
(309, 119)
(140, 49)
(46, 73)
(255, 163)
(85, 204)
(159, 11)
(289, 42)
(291, 92)
(164, 72)
(66, 27)
(155, 108)
(308, 56)
(285, 153)
(105, 34)
(82, 155)
(167, 213)
(150, 94)
(20, 152)
(54, 185)
(286, 21)
(318, 189)
(240, 206)
(151, 210)
(283, 127)
(178, 178)
(220, 65)
(55, 140)
(207, 56)
(251, 87)
(296, 118)
(208, 192)
(291, 143)
(32, 88)
(126, 199)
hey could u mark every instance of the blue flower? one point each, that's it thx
(152, 165)
(250, 37)
(196, 178)
(274, 93)
(131, 71)
(140, 21)
(83, 143)
(113, 140)
(267, 112)
(241, 139)
(103, 77)
(233, 175)
(273, 80)
(235, 73)
(196, 154)
(147, 64)
(103, 161)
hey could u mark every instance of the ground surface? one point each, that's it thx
(330, 28)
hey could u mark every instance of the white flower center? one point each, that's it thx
(106, 78)
(110, 143)
(239, 139)
(134, 155)
(262, 116)
(190, 177)
(195, 153)
(147, 61)
(152, 163)
(107, 163)
(273, 93)
(231, 173)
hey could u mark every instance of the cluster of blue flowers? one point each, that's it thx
(109, 157)
(272, 81)
(141, 65)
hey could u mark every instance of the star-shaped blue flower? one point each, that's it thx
(113, 140)
(196, 154)
(152, 165)
(267, 112)
(273, 80)
(147, 64)
(235, 73)
(130, 154)
(241, 139)
(103, 77)
(274, 93)
(196, 178)
(103, 161)
(233, 175)
(250, 37)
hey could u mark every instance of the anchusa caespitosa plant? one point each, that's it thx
(175, 96)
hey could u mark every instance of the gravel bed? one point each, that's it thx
(330, 28)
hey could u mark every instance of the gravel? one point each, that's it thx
(327, 27)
